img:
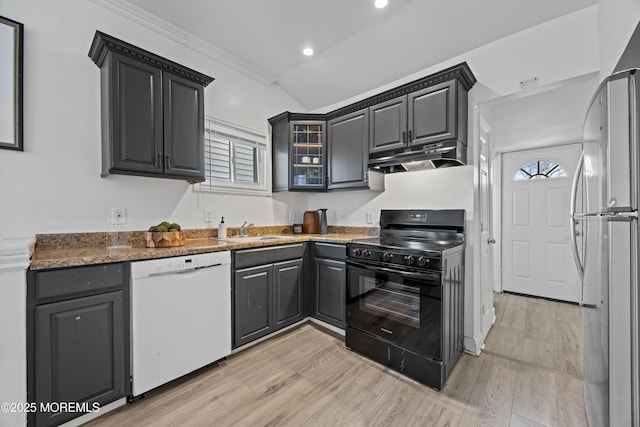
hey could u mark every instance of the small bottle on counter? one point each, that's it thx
(222, 229)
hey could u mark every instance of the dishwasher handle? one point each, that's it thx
(187, 270)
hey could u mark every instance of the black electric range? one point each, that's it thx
(405, 293)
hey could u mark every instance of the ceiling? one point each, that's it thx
(357, 47)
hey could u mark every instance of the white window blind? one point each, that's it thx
(235, 159)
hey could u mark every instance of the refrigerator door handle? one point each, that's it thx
(575, 217)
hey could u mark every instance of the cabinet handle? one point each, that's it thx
(364, 176)
(158, 161)
(404, 136)
(410, 135)
(168, 158)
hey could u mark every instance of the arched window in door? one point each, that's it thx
(539, 169)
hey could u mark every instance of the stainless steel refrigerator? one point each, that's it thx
(606, 250)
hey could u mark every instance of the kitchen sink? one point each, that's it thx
(240, 239)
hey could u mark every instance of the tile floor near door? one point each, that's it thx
(530, 374)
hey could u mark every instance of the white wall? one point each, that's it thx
(55, 184)
(404, 190)
(617, 19)
(543, 118)
(557, 50)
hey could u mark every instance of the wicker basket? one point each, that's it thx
(168, 239)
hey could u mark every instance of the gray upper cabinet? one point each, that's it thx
(183, 122)
(388, 125)
(422, 117)
(299, 152)
(152, 112)
(348, 138)
(132, 133)
(424, 114)
(432, 114)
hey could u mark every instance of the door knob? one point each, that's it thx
(491, 241)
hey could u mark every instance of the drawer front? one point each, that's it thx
(71, 282)
(260, 256)
(331, 251)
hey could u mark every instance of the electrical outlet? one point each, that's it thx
(369, 217)
(118, 216)
(292, 216)
(208, 215)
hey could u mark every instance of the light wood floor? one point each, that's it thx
(529, 375)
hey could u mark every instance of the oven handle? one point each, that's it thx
(415, 275)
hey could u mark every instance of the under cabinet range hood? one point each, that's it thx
(429, 156)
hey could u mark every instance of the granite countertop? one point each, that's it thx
(56, 256)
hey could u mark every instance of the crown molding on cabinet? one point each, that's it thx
(103, 43)
(166, 29)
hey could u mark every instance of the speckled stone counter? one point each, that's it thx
(68, 250)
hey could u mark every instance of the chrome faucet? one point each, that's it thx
(244, 227)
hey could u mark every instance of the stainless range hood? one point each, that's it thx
(429, 156)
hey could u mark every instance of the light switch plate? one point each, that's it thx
(292, 216)
(208, 215)
(369, 217)
(118, 216)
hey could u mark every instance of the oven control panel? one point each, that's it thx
(417, 217)
(394, 257)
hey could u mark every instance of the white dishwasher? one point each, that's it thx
(180, 316)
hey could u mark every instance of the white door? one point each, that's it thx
(536, 247)
(486, 238)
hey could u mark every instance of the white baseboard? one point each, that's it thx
(491, 314)
(473, 345)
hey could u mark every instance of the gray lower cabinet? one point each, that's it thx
(287, 293)
(253, 299)
(330, 283)
(77, 345)
(268, 296)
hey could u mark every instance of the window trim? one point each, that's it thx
(238, 134)
(519, 175)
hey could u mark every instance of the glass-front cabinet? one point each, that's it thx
(299, 152)
(308, 152)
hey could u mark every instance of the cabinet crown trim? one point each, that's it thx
(288, 116)
(460, 72)
(103, 44)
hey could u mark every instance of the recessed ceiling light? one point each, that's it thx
(307, 51)
(381, 3)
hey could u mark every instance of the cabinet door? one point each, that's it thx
(287, 293)
(432, 114)
(252, 300)
(388, 125)
(135, 116)
(348, 150)
(308, 155)
(183, 127)
(330, 291)
(80, 353)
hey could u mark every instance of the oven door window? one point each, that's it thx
(404, 308)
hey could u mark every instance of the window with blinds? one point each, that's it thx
(235, 159)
